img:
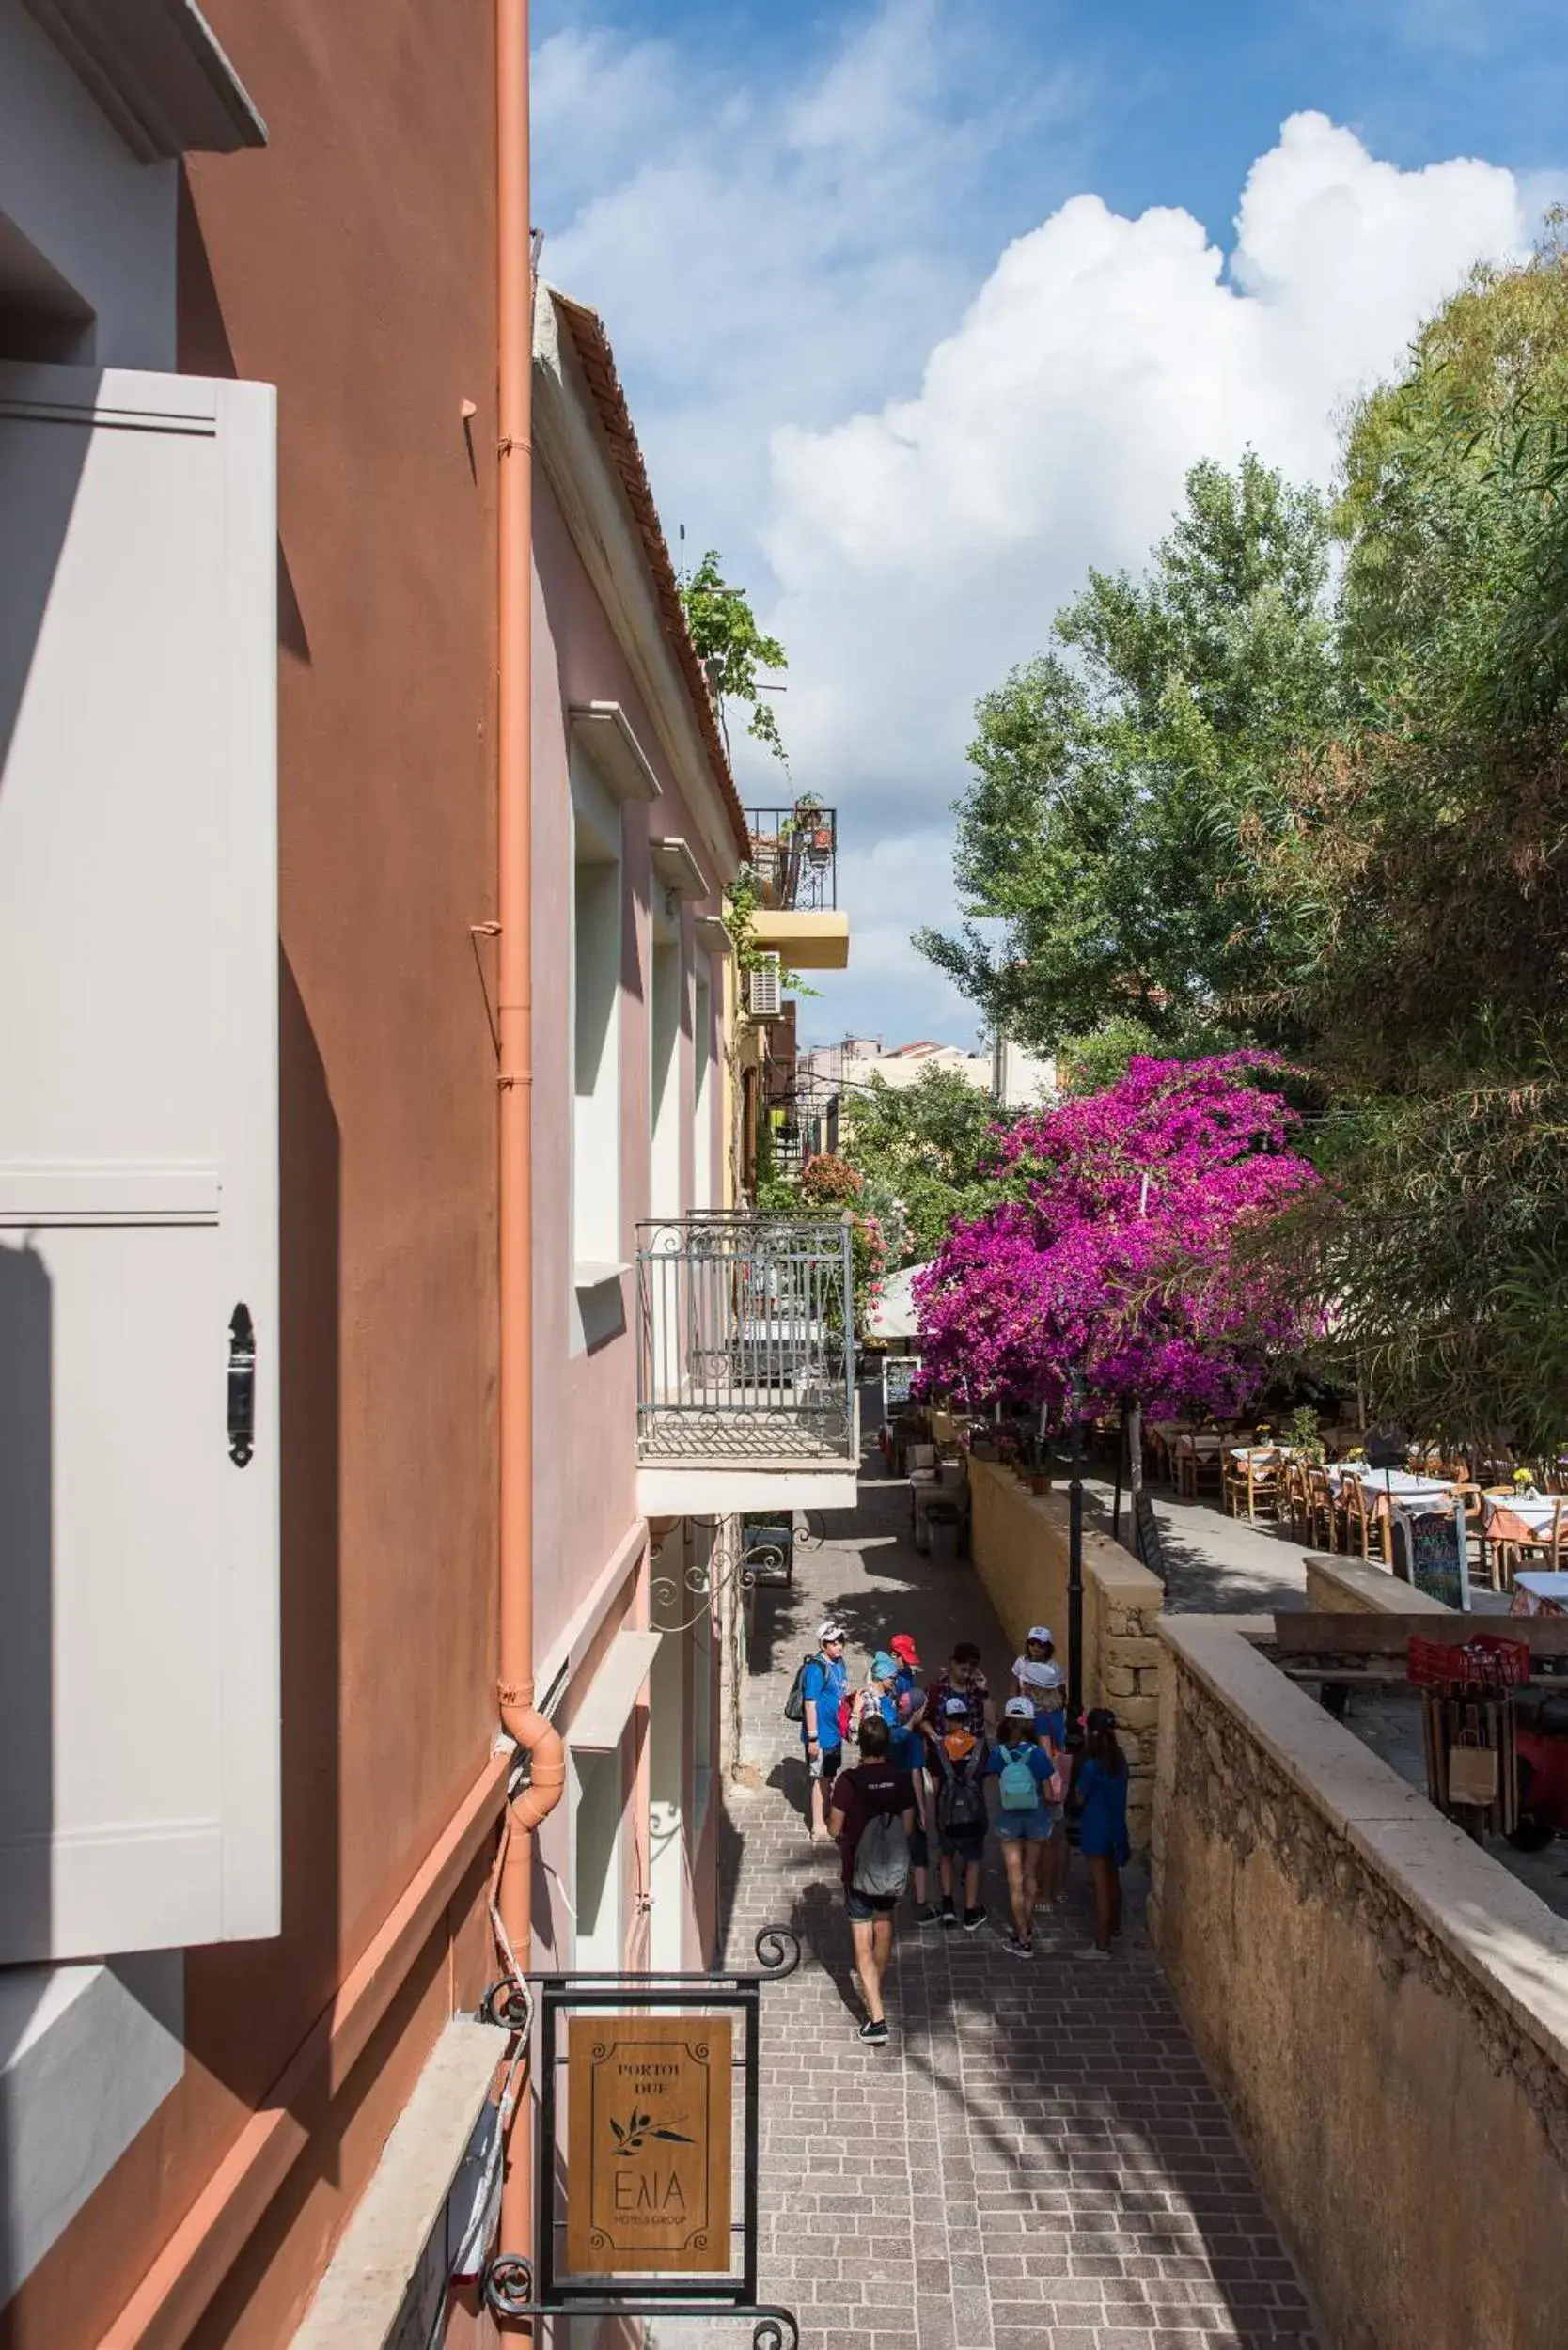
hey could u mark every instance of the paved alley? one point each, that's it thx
(1037, 2161)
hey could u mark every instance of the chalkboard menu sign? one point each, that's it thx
(1432, 1554)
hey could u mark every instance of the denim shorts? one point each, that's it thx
(1033, 1827)
(825, 1763)
(863, 1907)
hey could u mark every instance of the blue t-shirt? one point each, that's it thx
(823, 1684)
(1103, 1823)
(1039, 1761)
(906, 1747)
(1051, 1722)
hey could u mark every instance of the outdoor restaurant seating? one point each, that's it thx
(1515, 1515)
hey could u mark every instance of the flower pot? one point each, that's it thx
(1039, 1481)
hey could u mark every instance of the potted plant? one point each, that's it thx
(1304, 1436)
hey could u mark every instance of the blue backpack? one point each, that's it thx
(1019, 1788)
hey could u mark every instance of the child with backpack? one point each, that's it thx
(957, 1774)
(816, 1695)
(1103, 1822)
(873, 1819)
(1028, 1787)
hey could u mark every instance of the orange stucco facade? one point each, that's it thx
(351, 262)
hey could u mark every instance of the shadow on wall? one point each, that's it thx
(26, 1724)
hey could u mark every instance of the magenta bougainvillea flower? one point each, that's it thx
(1113, 1254)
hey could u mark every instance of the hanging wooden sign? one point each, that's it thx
(648, 2148)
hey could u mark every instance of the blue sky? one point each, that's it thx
(923, 308)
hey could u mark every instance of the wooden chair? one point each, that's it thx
(1319, 1507)
(1254, 1480)
(1356, 1523)
(1293, 1485)
(1470, 1498)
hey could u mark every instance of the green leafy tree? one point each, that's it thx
(1426, 865)
(1123, 779)
(919, 1149)
(732, 648)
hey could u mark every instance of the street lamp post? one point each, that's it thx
(1075, 1558)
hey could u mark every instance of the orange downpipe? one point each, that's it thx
(520, 1717)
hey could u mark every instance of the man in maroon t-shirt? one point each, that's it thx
(874, 1789)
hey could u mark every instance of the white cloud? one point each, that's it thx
(922, 547)
(911, 449)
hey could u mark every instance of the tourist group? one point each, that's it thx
(932, 1755)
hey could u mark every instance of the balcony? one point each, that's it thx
(745, 1388)
(794, 856)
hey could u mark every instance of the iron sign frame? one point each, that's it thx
(517, 2287)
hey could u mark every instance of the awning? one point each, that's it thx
(893, 1316)
(596, 1726)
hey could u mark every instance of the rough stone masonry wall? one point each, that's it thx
(1382, 2007)
(1020, 1549)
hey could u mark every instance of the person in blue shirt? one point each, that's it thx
(1103, 1822)
(1029, 1789)
(825, 1682)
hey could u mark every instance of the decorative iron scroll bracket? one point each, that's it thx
(516, 2287)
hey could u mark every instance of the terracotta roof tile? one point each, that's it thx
(597, 360)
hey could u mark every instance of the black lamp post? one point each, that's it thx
(1076, 1557)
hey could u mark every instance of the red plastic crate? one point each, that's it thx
(1489, 1659)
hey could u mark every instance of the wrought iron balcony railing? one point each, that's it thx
(745, 1339)
(794, 856)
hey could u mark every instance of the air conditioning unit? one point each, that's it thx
(765, 994)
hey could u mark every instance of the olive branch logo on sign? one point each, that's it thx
(630, 2138)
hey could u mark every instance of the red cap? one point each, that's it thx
(904, 1647)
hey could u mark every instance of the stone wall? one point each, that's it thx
(1383, 2007)
(1020, 1550)
(1343, 1586)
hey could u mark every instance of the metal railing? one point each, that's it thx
(794, 856)
(746, 1338)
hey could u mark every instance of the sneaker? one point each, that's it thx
(1020, 1945)
(949, 1915)
(974, 1919)
(927, 1914)
(875, 2035)
(1095, 1951)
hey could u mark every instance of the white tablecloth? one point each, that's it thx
(1399, 1484)
(1536, 1512)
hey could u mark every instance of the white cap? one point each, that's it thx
(1040, 1631)
(1038, 1676)
(1018, 1709)
(831, 1631)
(956, 1710)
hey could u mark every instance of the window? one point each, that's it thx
(596, 1032)
(663, 1028)
(139, 1787)
(702, 1111)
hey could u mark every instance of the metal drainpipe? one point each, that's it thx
(520, 1717)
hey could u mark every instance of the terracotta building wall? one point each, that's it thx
(352, 263)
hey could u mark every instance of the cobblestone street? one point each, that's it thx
(1037, 2161)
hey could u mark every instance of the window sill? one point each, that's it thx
(597, 1277)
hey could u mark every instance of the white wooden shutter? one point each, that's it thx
(139, 1797)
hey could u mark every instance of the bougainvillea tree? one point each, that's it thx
(1113, 1254)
